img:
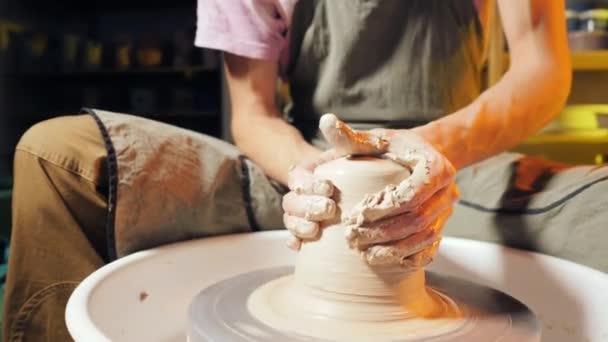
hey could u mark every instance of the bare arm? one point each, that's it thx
(530, 94)
(258, 128)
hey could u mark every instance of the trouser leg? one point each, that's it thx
(58, 230)
(190, 186)
(535, 204)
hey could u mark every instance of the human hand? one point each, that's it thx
(309, 200)
(399, 225)
(402, 224)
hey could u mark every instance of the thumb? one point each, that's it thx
(347, 141)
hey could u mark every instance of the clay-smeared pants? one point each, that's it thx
(59, 230)
(60, 200)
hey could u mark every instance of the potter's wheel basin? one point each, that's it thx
(145, 296)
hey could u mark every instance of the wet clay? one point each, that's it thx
(334, 294)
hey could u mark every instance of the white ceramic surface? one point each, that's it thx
(145, 296)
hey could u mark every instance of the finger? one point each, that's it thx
(396, 253)
(430, 171)
(293, 242)
(310, 207)
(301, 178)
(424, 257)
(403, 224)
(429, 176)
(302, 181)
(324, 157)
(386, 230)
(390, 202)
(300, 227)
(346, 141)
(443, 197)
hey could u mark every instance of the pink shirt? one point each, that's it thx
(250, 28)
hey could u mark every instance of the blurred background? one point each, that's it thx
(129, 56)
(580, 134)
(138, 57)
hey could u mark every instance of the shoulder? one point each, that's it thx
(250, 28)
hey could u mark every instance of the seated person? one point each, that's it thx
(96, 187)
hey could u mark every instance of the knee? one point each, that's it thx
(62, 136)
(74, 142)
(50, 135)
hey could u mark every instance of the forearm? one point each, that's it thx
(529, 96)
(518, 106)
(257, 126)
(272, 143)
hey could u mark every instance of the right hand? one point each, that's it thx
(309, 201)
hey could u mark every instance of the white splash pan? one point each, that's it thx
(145, 296)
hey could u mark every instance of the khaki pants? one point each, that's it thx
(59, 217)
(59, 211)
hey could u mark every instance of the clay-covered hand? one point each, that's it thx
(309, 200)
(399, 225)
(402, 223)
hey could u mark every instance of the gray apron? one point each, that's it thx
(383, 62)
(169, 184)
(392, 63)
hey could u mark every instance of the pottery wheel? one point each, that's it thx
(333, 294)
(221, 313)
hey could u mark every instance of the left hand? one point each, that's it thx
(401, 224)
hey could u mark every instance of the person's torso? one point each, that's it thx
(394, 63)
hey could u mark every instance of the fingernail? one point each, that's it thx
(307, 230)
(294, 244)
(319, 209)
(322, 187)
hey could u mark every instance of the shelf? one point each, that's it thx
(577, 147)
(152, 71)
(592, 60)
